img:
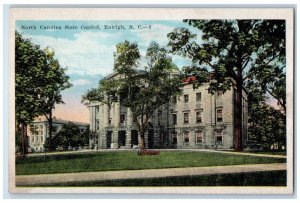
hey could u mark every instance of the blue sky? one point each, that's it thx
(88, 54)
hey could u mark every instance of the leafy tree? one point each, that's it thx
(143, 90)
(39, 80)
(273, 83)
(54, 81)
(69, 135)
(30, 61)
(86, 135)
(237, 49)
(266, 124)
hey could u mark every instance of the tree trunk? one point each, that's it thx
(24, 139)
(239, 114)
(142, 135)
(50, 132)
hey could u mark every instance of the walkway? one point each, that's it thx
(31, 180)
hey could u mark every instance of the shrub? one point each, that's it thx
(143, 152)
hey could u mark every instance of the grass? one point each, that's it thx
(270, 178)
(129, 160)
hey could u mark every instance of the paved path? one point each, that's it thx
(31, 180)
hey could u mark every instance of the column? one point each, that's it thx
(102, 139)
(117, 114)
(128, 138)
(105, 115)
(179, 138)
(155, 137)
(91, 141)
(146, 139)
(192, 138)
(114, 141)
(116, 123)
(128, 128)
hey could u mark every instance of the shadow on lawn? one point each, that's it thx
(56, 157)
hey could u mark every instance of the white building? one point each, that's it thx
(40, 131)
(196, 119)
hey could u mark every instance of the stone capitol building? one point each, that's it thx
(196, 119)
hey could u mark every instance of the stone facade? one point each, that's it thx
(39, 131)
(196, 119)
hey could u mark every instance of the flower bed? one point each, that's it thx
(143, 152)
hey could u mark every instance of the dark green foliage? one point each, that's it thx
(267, 125)
(69, 135)
(30, 61)
(87, 135)
(239, 49)
(39, 79)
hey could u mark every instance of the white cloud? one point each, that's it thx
(81, 82)
(83, 55)
(157, 33)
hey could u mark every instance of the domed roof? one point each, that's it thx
(174, 68)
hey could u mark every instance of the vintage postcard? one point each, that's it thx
(151, 100)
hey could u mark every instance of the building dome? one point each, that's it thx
(174, 68)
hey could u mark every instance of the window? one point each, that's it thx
(97, 124)
(35, 130)
(175, 100)
(109, 121)
(186, 118)
(219, 115)
(219, 136)
(186, 98)
(174, 138)
(198, 117)
(159, 113)
(97, 110)
(174, 117)
(198, 96)
(219, 93)
(41, 126)
(159, 117)
(122, 118)
(186, 136)
(42, 140)
(199, 137)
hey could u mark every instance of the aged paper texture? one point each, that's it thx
(60, 27)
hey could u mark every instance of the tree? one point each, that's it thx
(39, 80)
(87, 135)
(69, 135)
(237, 49)
(30, 61)
(273, 83)
(54, 80)
(266, 124)
(143, 90)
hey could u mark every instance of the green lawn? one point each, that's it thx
(268, 178)
(129, 160)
